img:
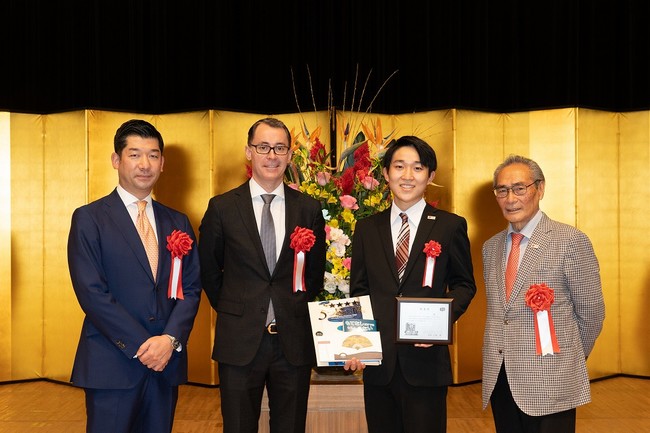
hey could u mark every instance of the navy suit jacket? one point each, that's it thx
(123, 304)
(238, 283)
(374, 273)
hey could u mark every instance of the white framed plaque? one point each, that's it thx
(424, 320)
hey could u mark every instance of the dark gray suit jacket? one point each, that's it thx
(238, 284)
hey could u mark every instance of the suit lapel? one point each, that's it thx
(425, 226)
(501, 266)
(244, 203)
(291, 215)
(384, 234)
(165, 228)
(115, 208)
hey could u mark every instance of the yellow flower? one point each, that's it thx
(348, 216)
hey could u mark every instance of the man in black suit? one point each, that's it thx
(263, 336)
(408, 391)
(131, 355)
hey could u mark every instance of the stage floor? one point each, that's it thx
(620, 405)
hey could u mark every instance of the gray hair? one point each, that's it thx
(518, 159)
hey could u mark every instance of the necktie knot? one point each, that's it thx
(142, 205)
(268, 198)
(405, 217)
(516, 238)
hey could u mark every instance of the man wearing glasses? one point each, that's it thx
(545, 309)
(263, 336)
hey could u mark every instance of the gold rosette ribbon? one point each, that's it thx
(179, 244)
(302, 239)
(432, 249)
(539, 298)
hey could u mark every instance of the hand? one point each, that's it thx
(354, 364)
(423, 345)
(156, 352)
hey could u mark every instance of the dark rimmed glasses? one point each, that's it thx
(519, 190)
(264, 149)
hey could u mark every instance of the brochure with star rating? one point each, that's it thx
(344, 329)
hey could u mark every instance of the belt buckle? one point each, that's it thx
(272, 328)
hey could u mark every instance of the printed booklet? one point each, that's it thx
(344, 329)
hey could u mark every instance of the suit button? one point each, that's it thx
(506, 322)
(151, 319)
(500, 351)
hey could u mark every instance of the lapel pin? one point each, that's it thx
(534, 245)
(431, 217)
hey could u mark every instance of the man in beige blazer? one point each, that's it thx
(534, 363)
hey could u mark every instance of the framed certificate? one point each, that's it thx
(424, 320)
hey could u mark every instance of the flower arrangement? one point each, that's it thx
(355, 189)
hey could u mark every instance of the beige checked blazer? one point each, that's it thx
(563, 258)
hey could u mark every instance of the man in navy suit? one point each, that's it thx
(132, 352)
(263, 336)
(407, 392)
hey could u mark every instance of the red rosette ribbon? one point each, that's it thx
(432, 249)
(539, 298)
(179, 244)
(302, 239)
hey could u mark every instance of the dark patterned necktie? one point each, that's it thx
(402, 248)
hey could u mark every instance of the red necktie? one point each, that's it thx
(513, 263)
(402, 248)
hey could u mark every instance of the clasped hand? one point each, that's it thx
(156, 352)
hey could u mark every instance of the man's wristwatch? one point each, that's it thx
(175, 343)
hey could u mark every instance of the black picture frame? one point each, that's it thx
(424, 320)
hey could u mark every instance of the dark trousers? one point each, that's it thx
(148, 407)
(508, 418)
(402, 408)
(242, 388)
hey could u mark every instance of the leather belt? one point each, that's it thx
(272, 328)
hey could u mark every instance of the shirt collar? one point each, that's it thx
(530, 227)
(128, 198)
(414, 212)
(257, 190)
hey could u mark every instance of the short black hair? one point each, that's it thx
(137, 127)
(427, 154)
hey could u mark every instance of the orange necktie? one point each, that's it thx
(148, 237)
(513, 263)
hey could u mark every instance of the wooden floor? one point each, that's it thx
(620, 405)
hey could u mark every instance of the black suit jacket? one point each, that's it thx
(123, 304)
(374, 273)
(238, 284)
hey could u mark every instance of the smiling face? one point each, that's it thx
(407, 178)
(519, 209)
(268, 170)
(139, 165)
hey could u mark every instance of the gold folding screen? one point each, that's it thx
(594, 163)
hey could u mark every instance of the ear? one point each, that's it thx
(385, 171)
(115, 160)
(162, 162)
(247, 149)
(431, 176)
(540, 189)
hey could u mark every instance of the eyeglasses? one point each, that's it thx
(502, 191)
(263, 149)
